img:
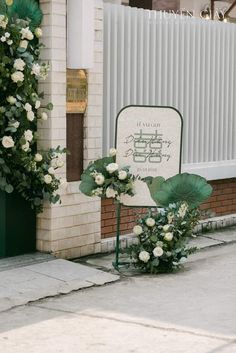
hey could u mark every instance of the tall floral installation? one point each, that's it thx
(23, 169)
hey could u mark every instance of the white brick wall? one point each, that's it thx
(72, 229)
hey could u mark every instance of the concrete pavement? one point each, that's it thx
(192, 311)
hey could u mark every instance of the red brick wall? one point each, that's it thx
(222, 202)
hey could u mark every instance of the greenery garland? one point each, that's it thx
(22, 168)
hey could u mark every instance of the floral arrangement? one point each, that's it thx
(22, 168)
(106, 179)
(163, 235)
(162, 238)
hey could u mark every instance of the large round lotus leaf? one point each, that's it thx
(190, 188)
(27, 9)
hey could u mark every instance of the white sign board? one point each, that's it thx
(149, 140)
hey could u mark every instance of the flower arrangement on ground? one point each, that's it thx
(106, 179)
(163, 235)
(22, 167)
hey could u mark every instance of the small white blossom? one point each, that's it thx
(19, 64)
(51, 171)
(47, 179)
(137, 230)
(38, 32)
(158, 251)
(182, 210)
(59, 163)
(150, 222)
(7, 35)
(112, 152)
(166, 227)
(16, 124)
(38, 157)
(17, 76)
(30, 115)
(36, 70)
(44, 116)
(37, 104)
(11, 99)
(144, 256)
(111, 193)
(28, 135)
(8, 142)
(24, 44)
(168, 236)
(25, 147)
(26, 33)
(99, 179)
(3, 21)
(122, 175)
(9, 42)
(3, 39)
(28, 107)
(112, 167)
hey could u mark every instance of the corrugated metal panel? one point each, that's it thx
(187, 63)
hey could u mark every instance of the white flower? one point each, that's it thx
(44, 116)
(25, 147)
(112, 167)
(158, 251)
(168, 236)
(11, 99)
(111, 193)
(183, 260)
(51, 170)
(47, 179)
(24, 44)
(166, 227)
(170, 217)
(150, 222)
(98, 192)
(3, 21)
(30, 115)
(7, 35)
(26, 33)
(59, 163)
(112, 152)
(182, 210)
(38, 157)
(144, 256)
(8, 142)
(137, 230)
(99, 179)
(122, 175)
(28, 135)
(9, 42)
(3, 39)
(28, 107)
(16, 124)
(17, 76)
(38, 32)
(37, 104)
(36, 69)
(19, 64)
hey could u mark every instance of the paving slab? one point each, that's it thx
(49, 278)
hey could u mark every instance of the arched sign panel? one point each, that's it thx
(149, 140)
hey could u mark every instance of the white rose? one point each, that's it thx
(44, 116)
(7, 35)
(144, 256)
(158, 251)
(25, 147)
(38, 32)
(24, 44)
(168, 236)
(16, 124)
(51, 170)
(8, 142)
(99, 179)
(112, 152)
(37, 104)
(3, 39)
(122, 175)
(150, 222)
(26, 33)
(11, 99)
(137, 230)
(30, 115)
(47, 179)
(166, 227)
(38, 157)
(36, 69)
(111, 193)
(9, 42)
(3, 21)
(112, 167)
(17, 76)
(59, 163)
(28, 135)
(19, 64)
(28, 107)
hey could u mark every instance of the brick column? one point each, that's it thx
(72, 229)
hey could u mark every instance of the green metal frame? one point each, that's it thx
(116, 264)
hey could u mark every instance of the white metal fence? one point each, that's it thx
(187, 63)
